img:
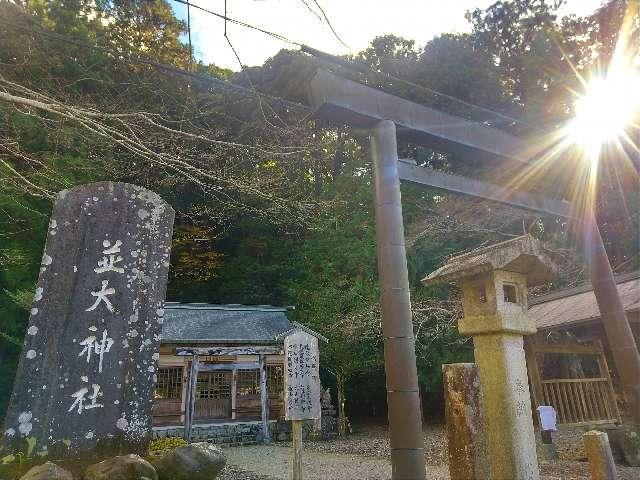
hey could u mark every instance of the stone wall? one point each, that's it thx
(220, 433)
(236, 433)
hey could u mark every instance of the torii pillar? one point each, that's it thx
(342, 101)
(403, 394)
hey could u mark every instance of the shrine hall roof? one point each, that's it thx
(189, 323)
(575, 306)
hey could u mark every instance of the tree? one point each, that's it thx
(453, 65)
(272, 207)
(519, 35)
(389, 53)
(79, 105)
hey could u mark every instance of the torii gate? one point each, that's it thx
(343, 101)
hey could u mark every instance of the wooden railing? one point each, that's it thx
(166, 411)
(576, 400)
(581, 400)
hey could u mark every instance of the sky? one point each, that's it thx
(357, 22)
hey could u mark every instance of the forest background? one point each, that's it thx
(272, 205)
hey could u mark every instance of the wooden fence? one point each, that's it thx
(581, 400)
(576, 400)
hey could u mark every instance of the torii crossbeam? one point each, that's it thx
(343, 101)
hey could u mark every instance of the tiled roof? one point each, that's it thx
(223, 324)
(578, 305)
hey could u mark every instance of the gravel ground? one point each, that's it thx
(373, 441)
(273, 462)
(364, 455)
(233, 472)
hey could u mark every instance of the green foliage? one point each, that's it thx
(285, 229)
(161, 445)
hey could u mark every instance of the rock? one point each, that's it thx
(197, 461)
(626, 440)
(47, 471)
(125, 467)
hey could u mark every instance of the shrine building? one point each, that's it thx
(569, 359)
(224, 348)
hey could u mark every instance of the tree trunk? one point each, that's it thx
(342, 419)
(337, 156)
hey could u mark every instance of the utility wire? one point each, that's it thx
(361, 68)
(306, 4)
(246, 74)
(241, 23)
(167, 68)
(326, 19)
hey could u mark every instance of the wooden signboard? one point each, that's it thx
(301, 389)
(302, 377)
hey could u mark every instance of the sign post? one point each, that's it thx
(302, 389)
(547, 419)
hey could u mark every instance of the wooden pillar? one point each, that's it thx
(601, 464)
(184, 392)
(234, 395)
(604, 372)
(296, 439)
(264, 399)
(533, 370)
(191, 398)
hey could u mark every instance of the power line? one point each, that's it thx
(167, 68)
(359, 67)
(306, 4)
(362, 68)
(243, 70)
(326, 19)
(241, 23)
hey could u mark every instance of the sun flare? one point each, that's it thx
(606, 110)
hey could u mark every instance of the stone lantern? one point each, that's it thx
(494, 282)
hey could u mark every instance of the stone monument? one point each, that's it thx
(464, 424)
(328, 422)
(85, 381)
(494, 283)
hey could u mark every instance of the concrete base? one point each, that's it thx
(247, 432)
(220, 433)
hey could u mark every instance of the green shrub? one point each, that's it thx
(160, 445)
